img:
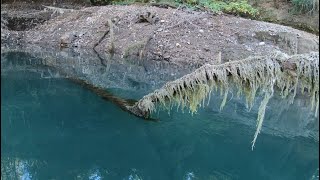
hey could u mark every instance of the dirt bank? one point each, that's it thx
(283, 12)
(174, 36)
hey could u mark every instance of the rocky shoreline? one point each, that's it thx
(172, 36)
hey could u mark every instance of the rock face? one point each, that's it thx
(151, 33)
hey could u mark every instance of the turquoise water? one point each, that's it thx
(52, 128)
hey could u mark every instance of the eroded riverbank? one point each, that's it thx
(181, 37)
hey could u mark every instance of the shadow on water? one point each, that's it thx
(51, 128)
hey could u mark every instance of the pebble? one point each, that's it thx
(201, 31)
(178, 45)
(248, 48)
(162, 21)
(261, 43)
(167, 57)
(206, 49)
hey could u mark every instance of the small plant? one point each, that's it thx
(306, 6)
(235, 7)
(100, 2)
(215, 6)
(125, 2)
(241, 8)
(191, 2)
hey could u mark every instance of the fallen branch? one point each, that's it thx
(58, 10)
(111, 49)
(261, 73)
(110, 30)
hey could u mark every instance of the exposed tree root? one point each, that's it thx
(110, 47)
(101, 39)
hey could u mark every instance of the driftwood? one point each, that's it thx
(263, 73)
(287, 64)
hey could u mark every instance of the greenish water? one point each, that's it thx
(52, 128)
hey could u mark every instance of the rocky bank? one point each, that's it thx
(171, 36)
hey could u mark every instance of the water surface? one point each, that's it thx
(52, 128)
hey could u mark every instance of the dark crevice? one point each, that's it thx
(23, 24)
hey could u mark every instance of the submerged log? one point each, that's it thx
(124, 104)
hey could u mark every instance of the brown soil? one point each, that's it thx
(174, 36)
(282, 12)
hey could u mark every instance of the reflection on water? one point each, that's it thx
(52, 128)
(118, 74)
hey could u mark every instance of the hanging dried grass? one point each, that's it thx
(260, 73)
